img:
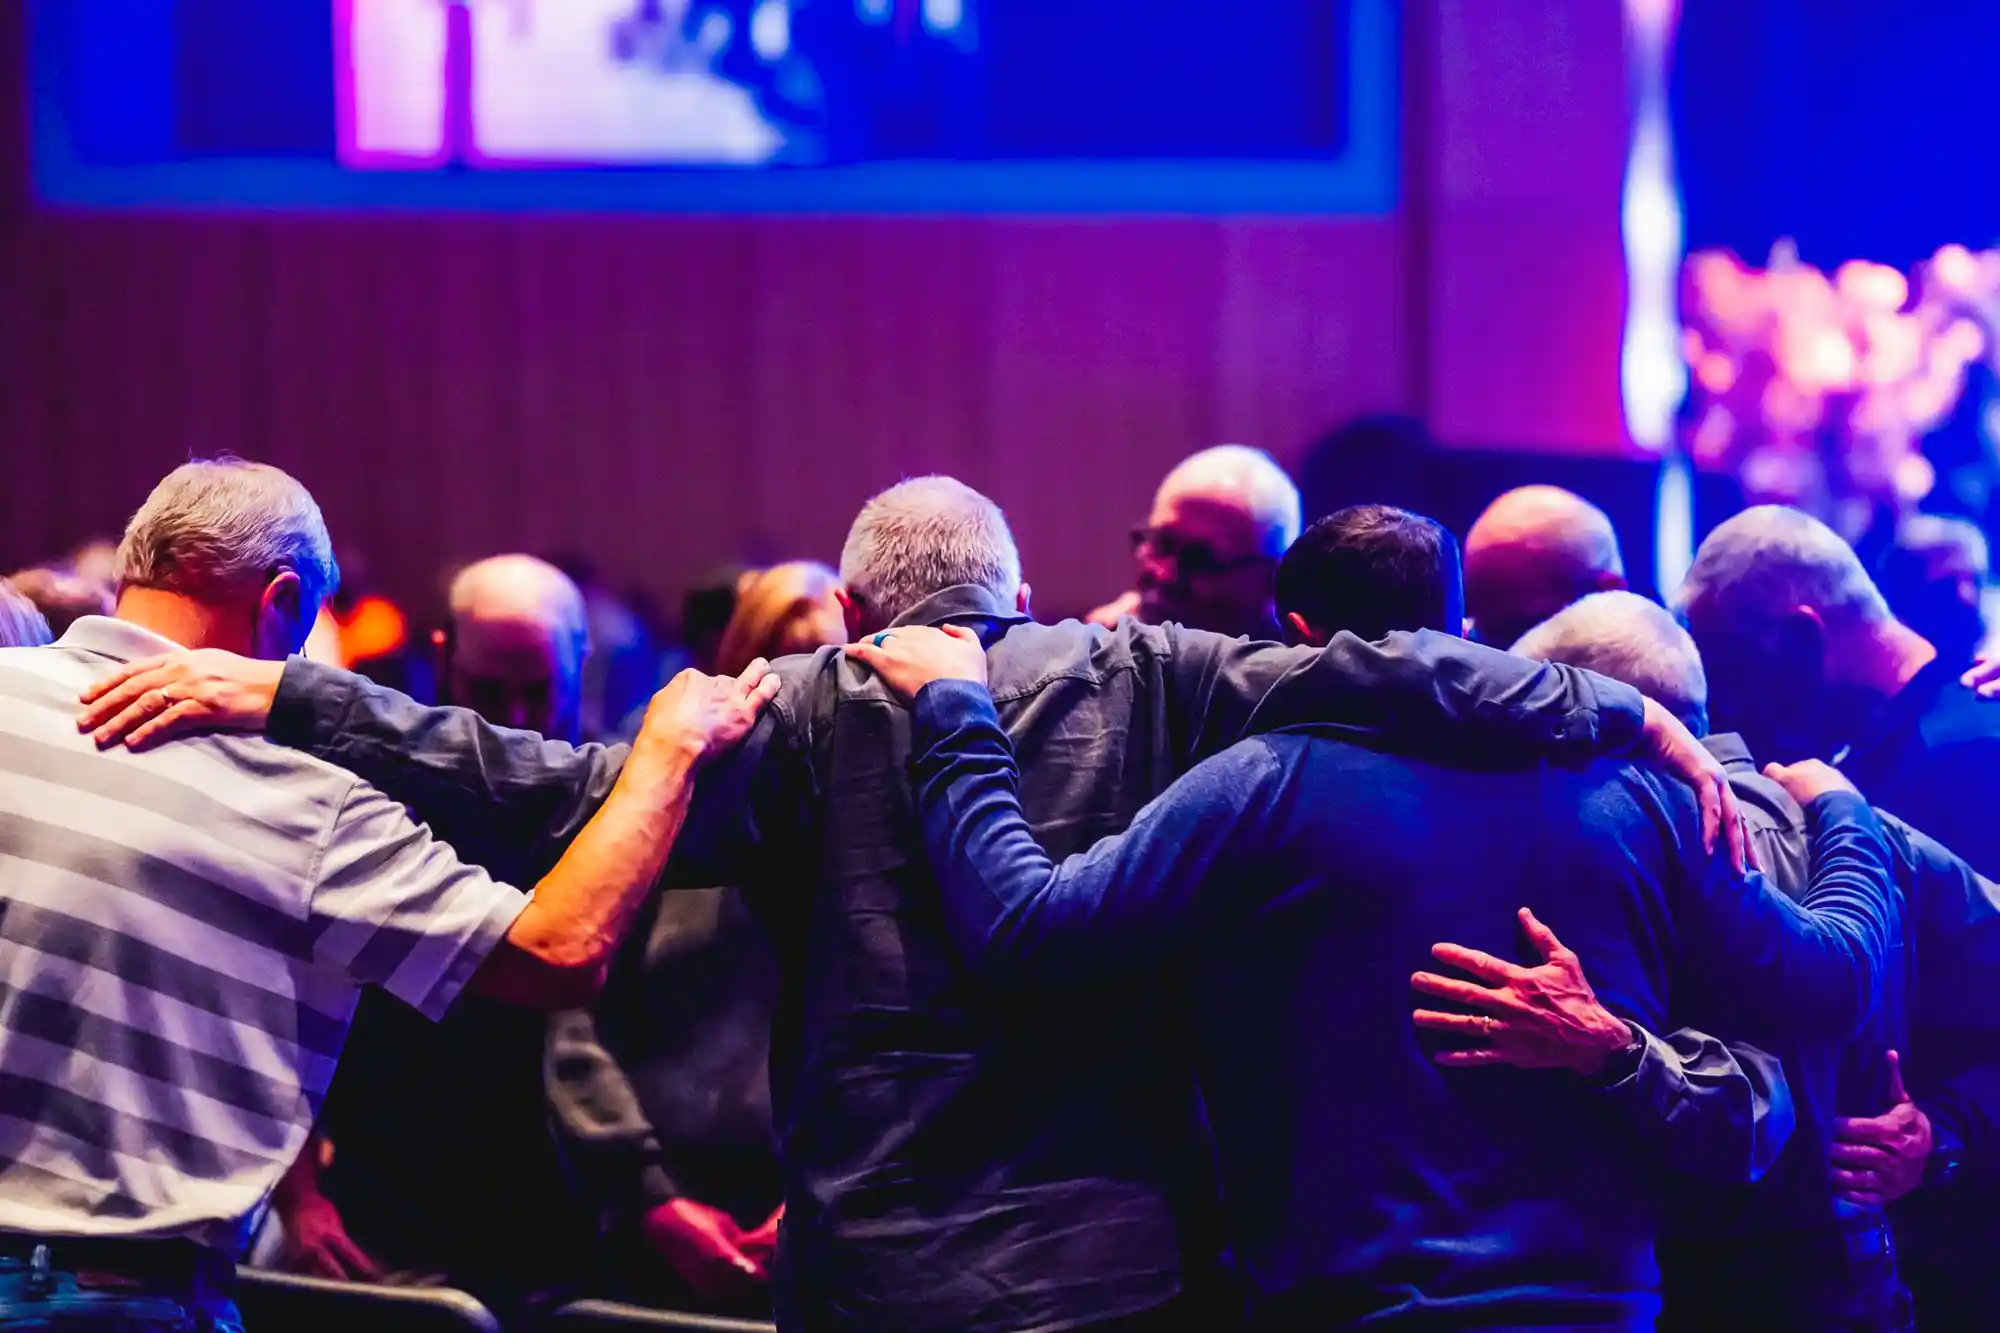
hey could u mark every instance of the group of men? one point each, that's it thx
(1129, 976)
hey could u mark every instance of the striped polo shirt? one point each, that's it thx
(183, 935)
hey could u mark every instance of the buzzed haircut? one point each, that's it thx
(1373, 569)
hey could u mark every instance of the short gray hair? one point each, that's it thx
(1266, 489)
(1628, 638)
(1762, 565)
(220, 528)
(925, 535)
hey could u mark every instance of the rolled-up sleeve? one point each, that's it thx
(393, 907)
(1717, 1112)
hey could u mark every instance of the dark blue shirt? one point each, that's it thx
(952, 1164)
(1932, 755)
(1289, 887)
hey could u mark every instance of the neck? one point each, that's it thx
(1890, 658)
(187, 622)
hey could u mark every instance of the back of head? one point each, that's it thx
(1371, 569)
(21, 622)
(1252, 480)
(1535, 550)
(221, 532)
(1631, 639)
(920, 537)
(519, 636)
(1754, 573)
(786, 609)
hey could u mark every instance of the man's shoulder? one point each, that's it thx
(1030, 654)
(1962, 726)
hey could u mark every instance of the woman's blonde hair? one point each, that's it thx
(769, 605)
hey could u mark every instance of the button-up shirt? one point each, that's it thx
(953, 1164)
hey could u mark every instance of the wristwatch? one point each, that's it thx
(1947, 1158)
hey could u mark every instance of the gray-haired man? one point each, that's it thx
(184, 932)
(952, 1165)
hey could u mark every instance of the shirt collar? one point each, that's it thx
(964, 601)
(1902, 711)
(119, 640)
(1731, 751)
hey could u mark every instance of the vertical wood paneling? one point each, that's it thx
(664, 393)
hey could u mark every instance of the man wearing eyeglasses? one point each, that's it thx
(1207, 554)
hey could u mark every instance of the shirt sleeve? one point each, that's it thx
(1718, 1112)
(1421, 692)
(503, 798)
(598, 1118)
(1133, 900)
(1808, 970)
(394, 907)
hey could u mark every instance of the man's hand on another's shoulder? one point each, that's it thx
(1668, 742)
(698, 716)
(194, 690)
(909, 658)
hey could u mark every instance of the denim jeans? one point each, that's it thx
(37, 1296)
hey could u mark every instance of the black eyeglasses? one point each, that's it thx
(1193, 559)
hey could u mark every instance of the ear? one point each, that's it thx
(283, 622)
(1303, 633)
(1801, 651)
(850, 613)
(1021, 598)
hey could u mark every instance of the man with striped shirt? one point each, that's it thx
(184, 929)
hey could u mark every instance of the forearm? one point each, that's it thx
(1812, 970)
(1717, 1112)
(1421, 691)
(599, 1119)
(558, 948)
(498, 795)
(1130, 901)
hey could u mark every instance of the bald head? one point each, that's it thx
(1219, 524)
(519, 637)
(1629, 638)
(1535, 550)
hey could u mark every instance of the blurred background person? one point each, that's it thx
(1207, 554)
(1935, 576)
(661, 1092)
(433, 1161)
(1532, 552)
(63, 596)
(22, 624)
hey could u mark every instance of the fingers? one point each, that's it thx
(754, 673)
(175, 721)
(1540, 936)
(1732, 824)
(1861, 1157)
(1708, 794)
(118, 678)
(963, 633)
(141, 709)
(353, 1258)
(1462, 992)
(1896, 1092)
(106, 716)
(1458, 1025)
(1479, 963)
(1472, 1059)
(765, 690)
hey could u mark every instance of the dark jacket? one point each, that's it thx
(1289, 887)
(952, 1164)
